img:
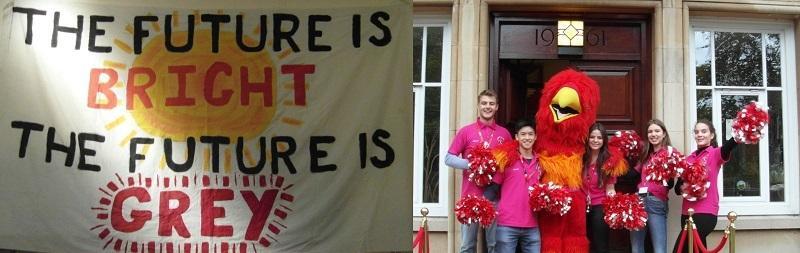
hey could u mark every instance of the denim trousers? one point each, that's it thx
(508, 238)
(657, 225)
(469, 237)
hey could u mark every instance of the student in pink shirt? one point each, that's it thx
(516, 223)
(483, 132)
(597, 184)
(713, 157)
(654, 194)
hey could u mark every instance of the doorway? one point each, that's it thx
(616, 54)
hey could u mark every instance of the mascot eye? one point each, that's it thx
(565, 110)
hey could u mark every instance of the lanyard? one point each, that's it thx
(525, 168)
(485, 143)
(588, 184)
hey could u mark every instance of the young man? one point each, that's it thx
(517, 227)
(487, 133)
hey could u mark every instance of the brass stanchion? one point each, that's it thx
(690, 230)
(731, 231)
(426, 241)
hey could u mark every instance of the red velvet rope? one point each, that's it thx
(698, 247)
(703, 249)
(683, 240)
(698, 244)
(419, 240)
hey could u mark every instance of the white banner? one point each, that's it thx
(149, 129)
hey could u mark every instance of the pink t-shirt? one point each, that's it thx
(513, 209)
(656, 188)
(712, 159)
(596, 193)
(471, 136)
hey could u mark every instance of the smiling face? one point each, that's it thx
(655, 134)
(702, 135)
(487, 107)
(526, 137)
(595, 140)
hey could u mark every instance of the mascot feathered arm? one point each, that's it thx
(616, 165)
(505, 154)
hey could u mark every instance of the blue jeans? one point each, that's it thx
(469, 237)
(657, 225)
(509, 237)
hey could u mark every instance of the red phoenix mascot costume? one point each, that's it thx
(567, 109)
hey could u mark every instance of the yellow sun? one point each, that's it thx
(234, 118)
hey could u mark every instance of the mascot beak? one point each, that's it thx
(565, 104)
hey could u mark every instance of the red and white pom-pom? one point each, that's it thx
(471, 209)
(482, 166)
(665, 164)
(624, 211)
(748, 127)
(695, 182)
(550, 197)
(629, 142)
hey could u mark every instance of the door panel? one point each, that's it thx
(619, 106)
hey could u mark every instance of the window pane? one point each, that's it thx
(704, 104)
(433, 59)
(773, 60)
(430, 193)
(702, 58)
(417, 54)
(738, 59)
(775, 135)
(741, 172)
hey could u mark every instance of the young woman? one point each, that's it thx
(712, 157)
(516, 223)
(597, 184)
(654, 194)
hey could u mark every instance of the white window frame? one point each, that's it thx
(755, 205)
(439, 209)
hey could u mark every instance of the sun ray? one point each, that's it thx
(129, 28)
(291, 121)
(113, 64)
(282, 147)
(197, 17)
(248, 40)
(284, 54)
(162, 164)
(127, 139)
(155, 25)
(175, 18)
(123, 46)
(146, 148)
(257, 30)
(206, 159)
(118, 84)
(249, 156)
